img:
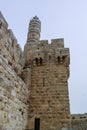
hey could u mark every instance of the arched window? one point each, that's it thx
(49, 57)
(63, 58)
(58, 59)
(40, 61)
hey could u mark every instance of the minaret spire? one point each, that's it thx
(34, 30)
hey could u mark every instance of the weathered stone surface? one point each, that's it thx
(14, 93)
(34, 84)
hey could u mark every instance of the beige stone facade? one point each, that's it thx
(34, 83)
(48, 100)
(14, 93)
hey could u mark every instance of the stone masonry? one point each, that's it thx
(49, 63)
(14, 93)
(34, 83)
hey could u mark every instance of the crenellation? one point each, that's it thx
(57, 43)
(3, 22)
(43, 42)
(11, 50)
(12, 36)
(79, 117)
(79, 121)
(48, 52)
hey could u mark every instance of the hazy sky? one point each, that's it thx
(59, 19)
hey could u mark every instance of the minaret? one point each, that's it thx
(33, 38)
(34, 30)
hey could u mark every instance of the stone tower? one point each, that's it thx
(34, 88)
(49, 65)
(34, 30)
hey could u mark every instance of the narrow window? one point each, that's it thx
(36, 61)
(40, 61)
(58, 59)
(63, 58)
(37, 124)
(0, 25)
(80, 117)
(73, 117)
(49, 57)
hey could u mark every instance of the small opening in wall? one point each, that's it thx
(0, 25)
(42, 45)
(36, 61)
(37, 124)
(22, 113)
(40, 61)
(8, 78)
(43, 82)
(80, 117)
(4, 56)
(20, 109)
(9, 63)
(49, 57)
(73, 117)
(58, 59)
(63, 57)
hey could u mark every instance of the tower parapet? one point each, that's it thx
(43, 53)
(3, 21)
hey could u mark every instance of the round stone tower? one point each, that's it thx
(34, 30)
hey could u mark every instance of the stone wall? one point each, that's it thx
(79, 121)
(49, 99)
(9, 48)
(14, 93)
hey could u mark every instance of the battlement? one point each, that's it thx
(54, 43)
(79, 117)
(57, 43)
(5, 33)
(3, 22)
(41, 52)
(79, 121)
(10, 50)
(43, 42)
(45, 53)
